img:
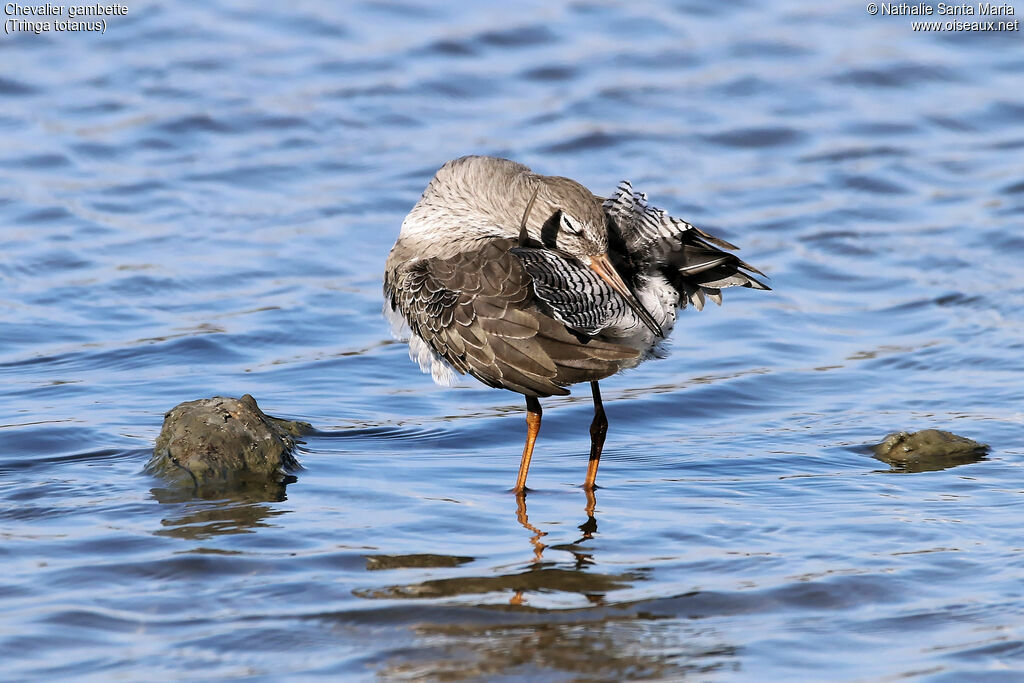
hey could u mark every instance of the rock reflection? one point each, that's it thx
(213, 511)
(935, 464)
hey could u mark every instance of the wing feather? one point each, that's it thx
(692, 260)
(481, 312)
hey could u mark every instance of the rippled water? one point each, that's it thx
(200, 201)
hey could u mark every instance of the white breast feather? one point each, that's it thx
(419, 351)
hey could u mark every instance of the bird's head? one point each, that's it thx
(574, 223)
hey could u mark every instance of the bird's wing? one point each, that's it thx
(574, 294)
(691, 259)
(478, 311)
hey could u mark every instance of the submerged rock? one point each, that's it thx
(220, 441)
(928, 450)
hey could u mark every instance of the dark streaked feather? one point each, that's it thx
(573, 293)
(691, 259)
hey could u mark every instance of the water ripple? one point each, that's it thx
(201, 203)
(756, 137)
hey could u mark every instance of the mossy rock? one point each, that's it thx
(221, 441)
(928, 450)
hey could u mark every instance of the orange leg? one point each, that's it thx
(533, 415)
(598, 430)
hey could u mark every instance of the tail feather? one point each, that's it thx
(690, 258)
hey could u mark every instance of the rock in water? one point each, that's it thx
(221, 440)
(928, 450)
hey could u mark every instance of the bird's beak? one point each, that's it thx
(604, 268)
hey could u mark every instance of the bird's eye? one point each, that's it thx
(570, 227)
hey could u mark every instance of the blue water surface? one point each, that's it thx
(199, 202)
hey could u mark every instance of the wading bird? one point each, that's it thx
(531, 283)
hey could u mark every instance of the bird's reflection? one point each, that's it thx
(524, 520)
(607, 639)
(541, 575)
(589, 527)
(583, 559)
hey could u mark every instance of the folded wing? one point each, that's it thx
(478, 311)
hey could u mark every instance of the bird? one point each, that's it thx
(531, 283)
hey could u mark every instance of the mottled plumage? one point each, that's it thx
(531, 283)
(478, 312)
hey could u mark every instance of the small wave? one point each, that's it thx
(901, 75)
(40, 162)
(856, 153)
(755, 138)
(15, 88)
(195, 123)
